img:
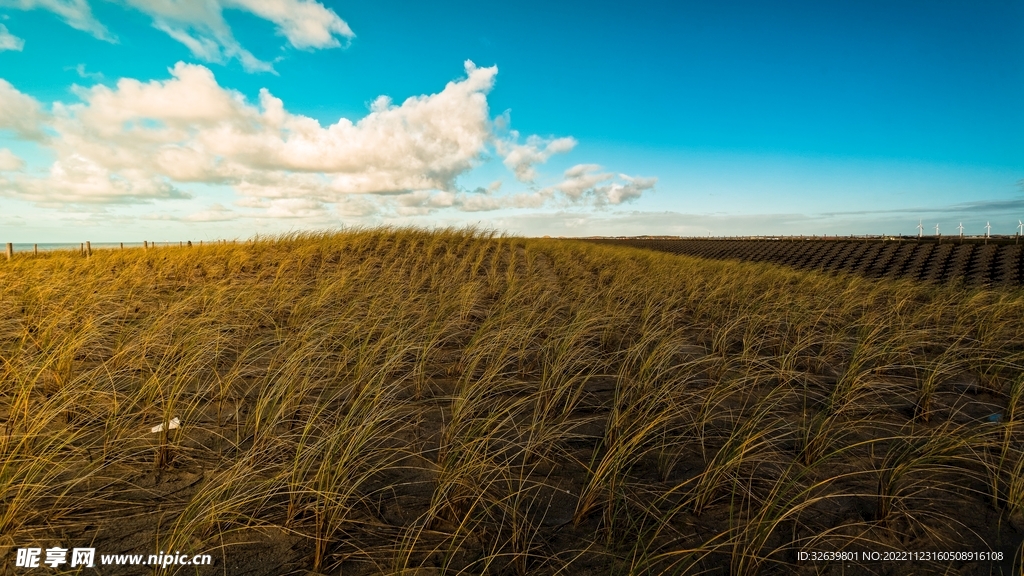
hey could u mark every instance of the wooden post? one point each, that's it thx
(122, 245)
(145, 244)
(189, 243)
(81, 248)
(35, 249)
(88, 248)
(10, 250)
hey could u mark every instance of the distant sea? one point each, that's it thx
(51, 246)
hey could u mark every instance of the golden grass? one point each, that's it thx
(409, 402)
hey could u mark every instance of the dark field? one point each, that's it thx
(973, 261)
(414, 403)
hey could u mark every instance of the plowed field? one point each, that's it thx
(970, 262)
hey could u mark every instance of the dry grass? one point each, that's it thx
(406, 402)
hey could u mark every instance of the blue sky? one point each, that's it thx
(161, 120)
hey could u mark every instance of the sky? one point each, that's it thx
(166, 120)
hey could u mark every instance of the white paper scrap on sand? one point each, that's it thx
(174, 423)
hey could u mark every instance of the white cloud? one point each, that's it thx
(9, 41)
(19, 112)
(357, 207)
(190, 129)
(581, 178)
(76, 13)
(215, 213)
(201, 27)
(76, 179)
(633, 188)
(211, 43)
(521, 158)
(142, 141)
(83, 73)
(306, 24)
(423, 202)
(587, 182)
(9, 161)
(480, 203)
(296, 208)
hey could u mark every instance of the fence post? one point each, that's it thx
(10, 250)
(145, 244)
(81, 248)
(88, 248)
(35, 249)
(122, 245)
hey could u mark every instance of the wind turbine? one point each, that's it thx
(920, 229)
(988, 228)
(1020, 230)
(961, 229)
(936, 229)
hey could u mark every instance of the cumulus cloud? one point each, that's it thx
(77, 179)
(201, 27)
(190, 129)
(480, 203)
(9, 161)
(357, 207)
(580, 179)
(9, 41)
(141, 141)
(587, 182)
(521, 158)
(296, 208)
(583, 186)
(20, 112)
